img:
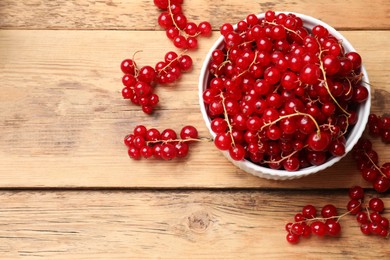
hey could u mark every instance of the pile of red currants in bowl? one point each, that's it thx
(282, 95)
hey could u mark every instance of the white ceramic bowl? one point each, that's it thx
(264, 172)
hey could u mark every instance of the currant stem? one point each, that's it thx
(284, 157)
(368, 214)
(297, 113)
(227, 119)
(376, 166)
(245, 71)
(136, 70)
(170, 63)
(202, 139)
(346, 129)
(175, 24)
(325, 81)
(222, 64)
(350, 86)
(333, 217)
(289, 30)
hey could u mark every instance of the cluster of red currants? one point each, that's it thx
(307, 223)
(367, 161)
(178, 29)
(147, 143)
(139, 84)
(370, 219)
(281, 95)
(379, 126)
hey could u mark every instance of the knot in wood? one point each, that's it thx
(199, 221)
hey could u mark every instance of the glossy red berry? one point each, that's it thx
(376, 205)
(354, 206)
(356, 193)
(188, 132)
(292, 238)
(128, 66)
(328, 211)
(333, 227)
(318, 228)
(309, 211)
(319, 141)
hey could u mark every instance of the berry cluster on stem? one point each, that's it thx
(379, 126)
(139, 83)
(368, 216)
(179, 30)
(367, 159)
(167, 145)
(307, 223)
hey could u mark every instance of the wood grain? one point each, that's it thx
(79, 196)
(142, 15)
(62, 118)
(173, 225)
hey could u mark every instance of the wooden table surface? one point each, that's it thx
(68, 188)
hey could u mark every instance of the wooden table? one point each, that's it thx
(68, 188)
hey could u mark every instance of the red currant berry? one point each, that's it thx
(168, 134)
(129, 139)
(127, 93)
(223, 141)
(128, 80)
(134, 153)
(355, 58)
(146, 152)
(157, 148)
(146, 74)
(356, 193)
(376, 205)
(297, 229)
(319, 141)
(237, 152)
(188, 132)
(180, 42)
(128, 66)
(318, 228)
(309, 211)
(153, 135)
(362, 217)
(310, 74)
(299, 217)
(328, 211)
(382, 184)
(168, 151)
(365, 228)
(181, 149)
(354, 206)
(292, 238)
(333, 227)
(204, 28)
(185, 62)
(140, 130)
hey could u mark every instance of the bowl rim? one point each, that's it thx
(265, 172)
